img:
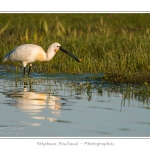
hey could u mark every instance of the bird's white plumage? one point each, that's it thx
(29, 53)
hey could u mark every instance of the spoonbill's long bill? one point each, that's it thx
(29, 53)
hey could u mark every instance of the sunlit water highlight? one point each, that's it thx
(68, 106)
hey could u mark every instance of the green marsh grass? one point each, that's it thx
(114, 44)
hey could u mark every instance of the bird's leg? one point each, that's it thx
(24, 71)
(29, 69)
(25, 87)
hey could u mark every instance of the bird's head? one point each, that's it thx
(57, 47)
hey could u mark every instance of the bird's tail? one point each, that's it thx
(5, 58)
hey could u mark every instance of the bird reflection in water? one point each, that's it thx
(33, 103)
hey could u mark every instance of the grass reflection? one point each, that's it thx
(50, 90)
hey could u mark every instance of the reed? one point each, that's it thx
(4, 27)
(114, 44)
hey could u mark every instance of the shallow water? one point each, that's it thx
(68, 106)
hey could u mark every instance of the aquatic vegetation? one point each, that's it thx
(114, 44)
(69, 100)
(83, 88)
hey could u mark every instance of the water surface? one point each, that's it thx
(68, 106)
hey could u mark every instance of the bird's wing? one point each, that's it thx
(22, 52)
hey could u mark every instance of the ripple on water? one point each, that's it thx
(69, 105)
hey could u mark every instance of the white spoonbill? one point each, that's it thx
(29, 53)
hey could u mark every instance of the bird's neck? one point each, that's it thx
(50, 53)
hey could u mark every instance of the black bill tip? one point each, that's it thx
(77, 59)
